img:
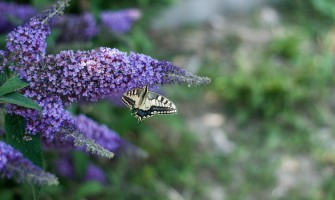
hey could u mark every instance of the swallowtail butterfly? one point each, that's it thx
(144, 103)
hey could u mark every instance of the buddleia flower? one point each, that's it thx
(25, 49)
(120, 21)
(57, 80)
(76, 27)
(95, 173)
(64, 166)
(91, 130)
(13, 164)
(12, 14)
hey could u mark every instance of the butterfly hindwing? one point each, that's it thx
(145, 104)
(160, 104)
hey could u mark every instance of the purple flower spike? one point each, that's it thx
(95, 173)
(13, 164)
(64, 166)
(27, 43)
(76, 27)
(101, 134)
(53, 119)
(89, 129)
(120, 21)
(88, 75)
(93, 75)
(12, 14)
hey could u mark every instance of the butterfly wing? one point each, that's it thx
(158, 104)
(149, 105)
(131, 97)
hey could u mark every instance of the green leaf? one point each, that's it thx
(19, 99)
(28, 145)
(6, 194)
(80, 161)
(11, 85)
(40, 3)
(3, 78)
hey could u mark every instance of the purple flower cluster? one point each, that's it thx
(52, 120)
(101, 134)
(76, 27)
(90, 129)
(72, 27)
(12, 14)
(95, 173)
(83, 75)
(56, 81)
(65, 167)
(93, 75)
(120, 21)
(27, 45)
(13, 164)
(71, 76)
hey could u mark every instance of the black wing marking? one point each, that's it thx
(161, 105)
(153, 103)
(163, 110)
(144, 113)
(129, 98)
(128, 101)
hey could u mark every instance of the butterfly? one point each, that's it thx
(144, 103)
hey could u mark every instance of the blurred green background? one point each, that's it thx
(263, 129)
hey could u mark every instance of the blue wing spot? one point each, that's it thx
(143, 113)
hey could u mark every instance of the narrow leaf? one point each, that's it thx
(19, 99)
(11, 85)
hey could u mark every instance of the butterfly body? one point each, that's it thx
(144, 103)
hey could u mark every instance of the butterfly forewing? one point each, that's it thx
(131, 97)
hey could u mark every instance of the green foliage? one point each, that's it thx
(19, 99)
(29, 146)
(284, 80)
(8, 92)
(12, 85)
(326, 7)
(308, 13)
(88, 189)
(80, 161)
